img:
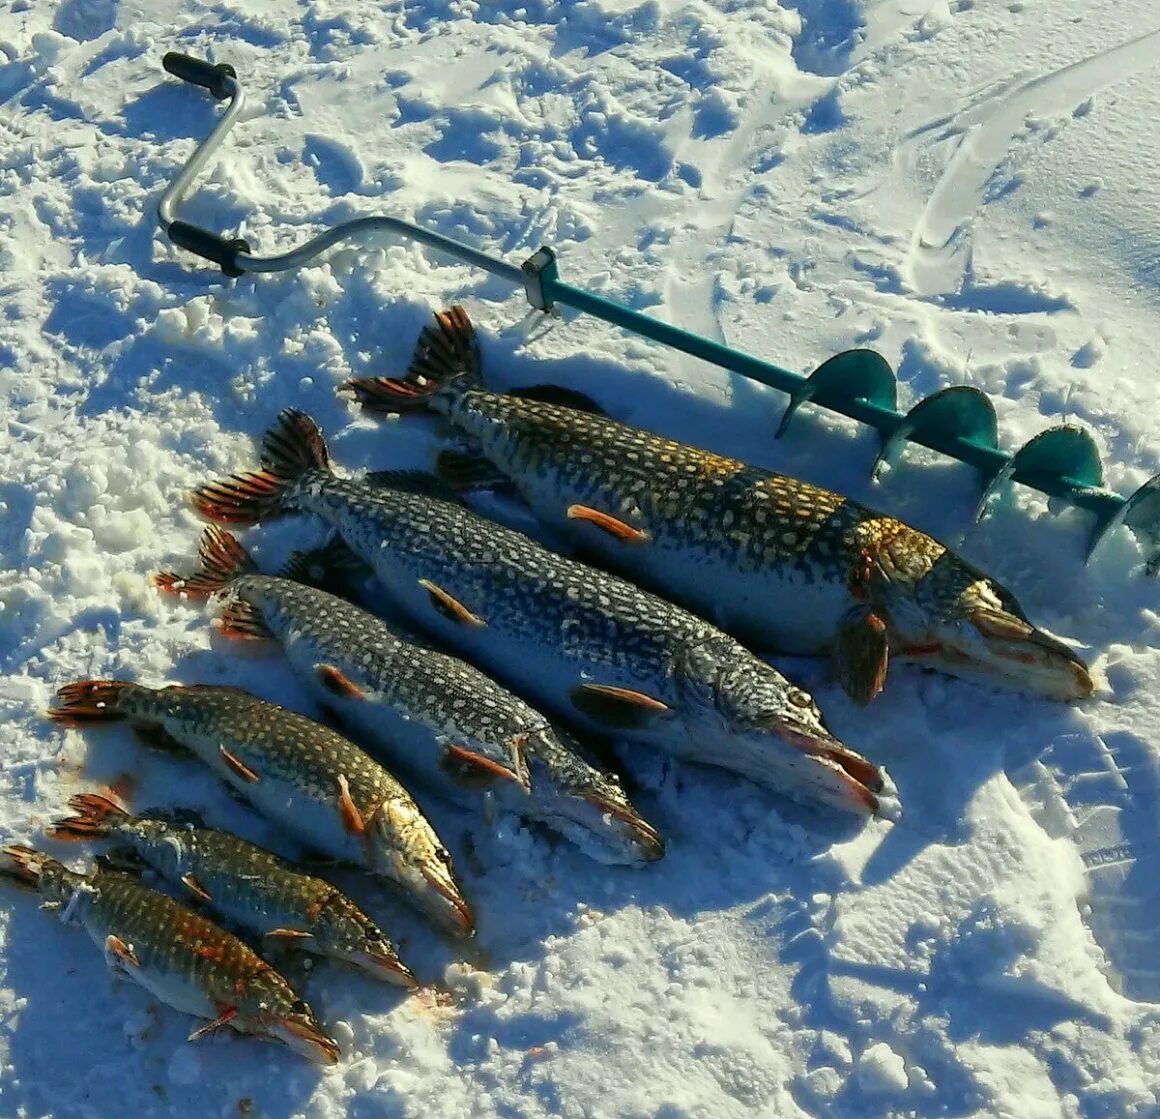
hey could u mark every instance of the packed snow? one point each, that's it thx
(968, 187)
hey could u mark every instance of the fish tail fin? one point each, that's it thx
(95, 815)
(446, 351)
(24, 864)
(220, 558)
(294, 446)
(88, 701)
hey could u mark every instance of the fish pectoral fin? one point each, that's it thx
(195, 887)
(242, 620)
(296, 935)
(352, 820)
(463, 471)
(450, 607)
(861, 653)
(335, 681)
(120, 955)
(223, 1019)
(616, 708)
(238, 766)
(471, 769)
(612, 525)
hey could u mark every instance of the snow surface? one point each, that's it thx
(969, 187)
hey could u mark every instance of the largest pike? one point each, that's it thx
(781, 563)
(575, 639)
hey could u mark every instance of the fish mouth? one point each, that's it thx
(381, 961)
(829, 769)
(1000, 648)
(302, 1034)
(444, 902)
(623, 827)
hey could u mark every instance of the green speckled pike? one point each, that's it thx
(245, 883)
(177, 955)
(590, 646)
(319, 785)
(780, 563)
(431, 715)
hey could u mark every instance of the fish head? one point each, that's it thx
(296, 1027)
(771, 730)
(588, 804)
(341, 930)
(957, 620)
(405, 848)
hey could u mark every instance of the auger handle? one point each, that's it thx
(197, 71)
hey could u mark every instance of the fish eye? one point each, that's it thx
(298, 1006)
(444, 856)
(799, 698)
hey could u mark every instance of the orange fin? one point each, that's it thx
(472, 770)
(861, 653)
(616, 708)
(335, 681)
(609, 523)
(238, 766)
(88, 701)
(117, 949)
(241, 619)
(240, 499)
(290, 934)
(195, 887)
(450, 607)
(221, 559)
(352, 820)
(223, 1019)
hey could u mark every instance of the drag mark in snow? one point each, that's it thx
(939, 257)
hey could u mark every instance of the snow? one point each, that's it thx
(965, 186)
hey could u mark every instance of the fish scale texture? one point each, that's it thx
(239, 877)
(528, 590)
(282, 745)
(447, 692)
(170, 940)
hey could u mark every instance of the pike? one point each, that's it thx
(432, 715)
(320, 786)
(177, 955)
(782, 564)
(243, 882)
(580, 642)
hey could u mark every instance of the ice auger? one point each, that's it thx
(959, 421)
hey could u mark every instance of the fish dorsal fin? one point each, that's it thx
(861, 653)
(412, 481)
(557, 394)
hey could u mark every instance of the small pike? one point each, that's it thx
(245, 883)
(177, 955)
(436, 717)
(780, 563)
(319, 785)
(583, 643)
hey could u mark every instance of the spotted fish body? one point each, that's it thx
(588, 645)
(319, 785)
(180, 957)
(430, 714)
(245, 883)
(781, 564)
